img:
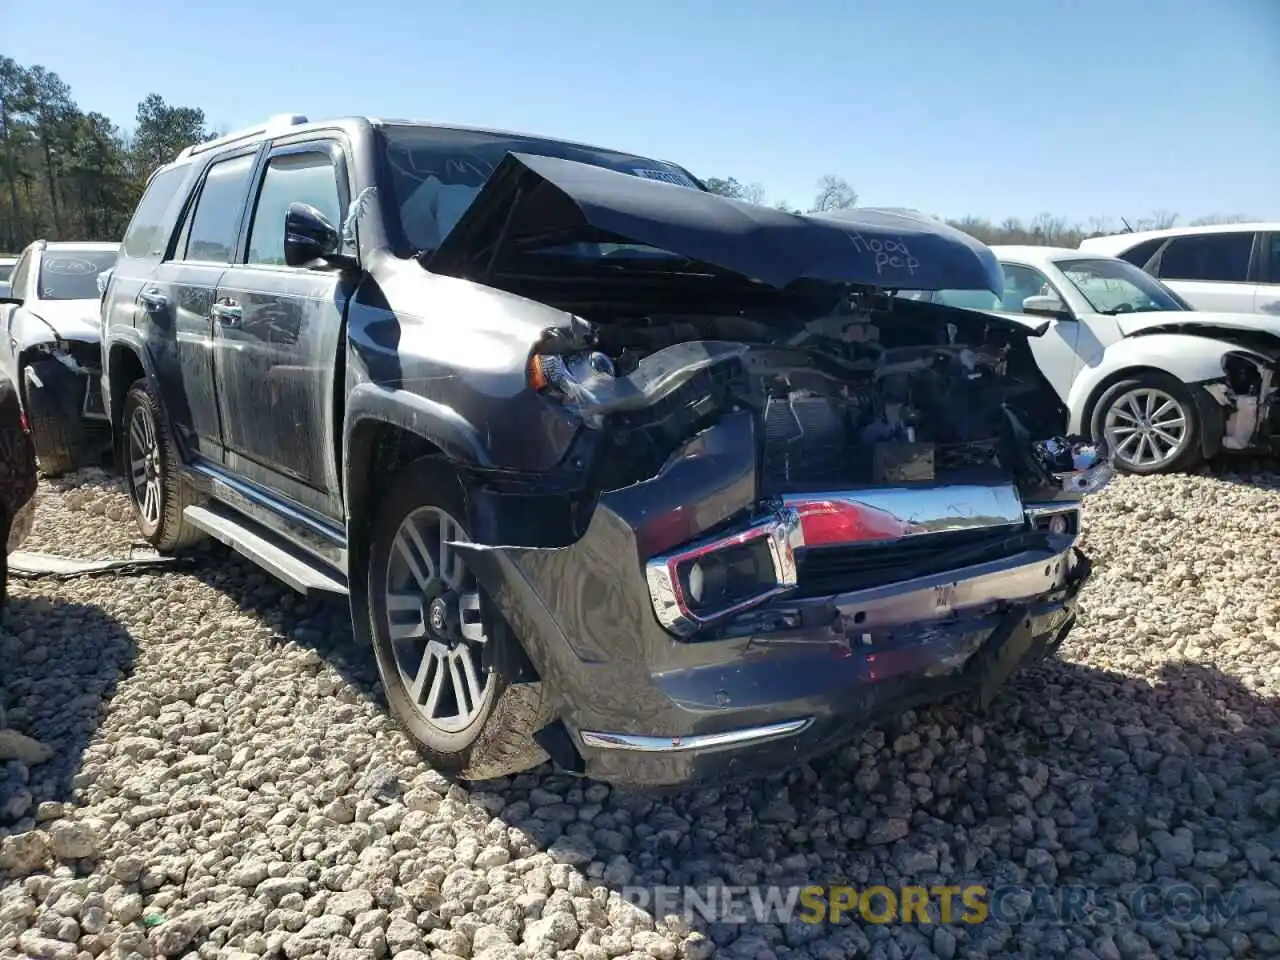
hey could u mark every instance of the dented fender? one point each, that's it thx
(441, 425)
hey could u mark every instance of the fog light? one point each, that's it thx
(1058, 525)
(695, 582)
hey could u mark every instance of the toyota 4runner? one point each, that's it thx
(664, 486)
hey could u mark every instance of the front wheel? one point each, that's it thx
(1150, 423)
(431, 625)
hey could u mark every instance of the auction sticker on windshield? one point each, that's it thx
(70, 266)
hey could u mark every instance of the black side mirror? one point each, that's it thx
(309, 236)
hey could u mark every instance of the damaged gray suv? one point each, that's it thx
(663, 486)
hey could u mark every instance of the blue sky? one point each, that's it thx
(991, 107)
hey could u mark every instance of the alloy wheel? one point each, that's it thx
(144, 465)
(1146, 428)
(433, 621)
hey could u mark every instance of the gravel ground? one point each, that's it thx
(222, 781)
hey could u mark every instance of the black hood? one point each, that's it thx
(535, 201)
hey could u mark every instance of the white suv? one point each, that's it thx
(1230, 267)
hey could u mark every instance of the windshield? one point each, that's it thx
(435, 173)
(1115, 286)
(73, 274)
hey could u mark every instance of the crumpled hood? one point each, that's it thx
(1189, 320)
(534, 202)
(70, 319)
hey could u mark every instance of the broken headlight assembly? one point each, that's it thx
(1079, 466)
(1248, 394)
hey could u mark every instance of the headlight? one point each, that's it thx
(569, 374)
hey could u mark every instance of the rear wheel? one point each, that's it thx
(1150, 423)
(56, 440)
(154, 473)
(431, 623)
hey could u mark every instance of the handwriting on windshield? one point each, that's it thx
(890, 253)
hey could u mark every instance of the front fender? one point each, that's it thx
(434, 422)
(1190, 359)
(28, 330)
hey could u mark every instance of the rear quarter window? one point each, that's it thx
(1141, 255)
(150, 228)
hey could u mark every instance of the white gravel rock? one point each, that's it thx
(224, 784)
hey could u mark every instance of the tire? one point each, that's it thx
(1117, 407)
(56, 440)
(485, 736)
(153, 472)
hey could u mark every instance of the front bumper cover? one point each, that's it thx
(647, 699)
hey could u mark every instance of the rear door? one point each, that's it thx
(278, 331)
(1212, 271)
(1267, 299)
(178, 298)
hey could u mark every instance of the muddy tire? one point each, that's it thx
(153, 473)
(57, 441)
(428, 631)
(1151, 423)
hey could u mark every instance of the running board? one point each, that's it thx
(269, 552)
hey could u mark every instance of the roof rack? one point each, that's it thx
(274, 124)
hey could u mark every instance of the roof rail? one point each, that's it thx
(276, 123)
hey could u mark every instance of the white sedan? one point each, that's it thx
(1165, 385)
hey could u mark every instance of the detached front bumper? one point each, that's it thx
(877, 600)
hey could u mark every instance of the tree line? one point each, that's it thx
(67, 174)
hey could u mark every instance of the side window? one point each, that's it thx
(1273, 274)
(147, 235)
(291, 178)
(1219, 257)
(1143, 252)
(21, 272)
(215, 222)
(1021, 282)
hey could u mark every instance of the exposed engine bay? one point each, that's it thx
(880, 392)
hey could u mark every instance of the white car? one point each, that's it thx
(50, 346)
(1165, 385)
(1233, 266)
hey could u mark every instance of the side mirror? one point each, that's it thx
(308, 235)
(1046, 307)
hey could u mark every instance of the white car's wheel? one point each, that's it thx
(1150, 424)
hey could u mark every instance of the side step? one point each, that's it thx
(266, 550)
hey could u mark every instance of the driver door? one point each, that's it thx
(1057, 353)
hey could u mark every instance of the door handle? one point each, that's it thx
(153, 299)
(227, 313)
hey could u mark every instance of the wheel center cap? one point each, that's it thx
(438, 615)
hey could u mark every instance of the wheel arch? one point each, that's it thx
(1189, 359)
(375, 450)
(373, 447)
(126, 364)
(1109, 381)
